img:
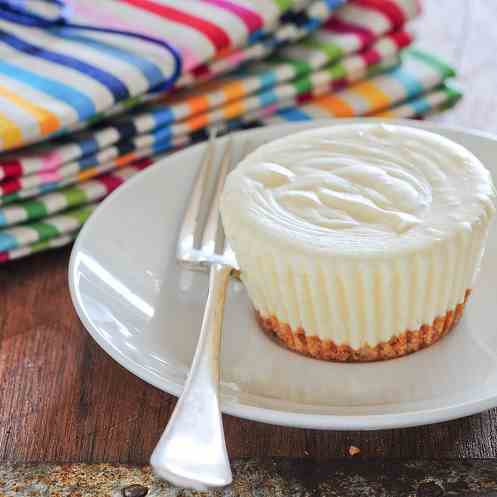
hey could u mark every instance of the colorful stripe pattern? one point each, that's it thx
(50, 227)
(290, 64)
(293, 28)
(88, 191)
(43, 246)
(50, 80)
(337, 75)
(417, 74)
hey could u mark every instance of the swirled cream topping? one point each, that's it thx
(358, 189)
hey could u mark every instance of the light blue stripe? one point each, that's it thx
(420, 106)
(3, 220)
(7, 242)
(152, 73)
(117, 87)
(333, 4)
(412, 85)
(293, 114)
(80, 102)
(267, 98)
(268, 79)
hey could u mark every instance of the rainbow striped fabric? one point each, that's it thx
(343, 61)
(53, 79)
(313, 65)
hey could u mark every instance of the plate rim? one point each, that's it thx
(363, 422)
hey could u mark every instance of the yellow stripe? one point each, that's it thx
(197, 122)
(376, 98)
(335, 105)
(234, 109)
(47, 120)
(385, 113)
(88, 173)
(234, 90)
(9, 132)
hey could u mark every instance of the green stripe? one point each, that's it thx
(302, 85)
(74, 196)
(283, 5)
(332, 51)
(453, 96)
(131, 102)
(38, 246)
(382, 67)
(337, 71)
(438, 64)
(80, 215)
(35, 209)
(300, 67)
(44, 230)
(11, 197)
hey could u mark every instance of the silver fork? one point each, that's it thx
(192, 451)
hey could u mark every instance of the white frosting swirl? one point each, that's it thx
(358, 189)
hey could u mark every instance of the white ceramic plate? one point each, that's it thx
(145, 311)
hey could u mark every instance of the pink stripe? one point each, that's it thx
(51, 161)
(237, 57)
(49, 176)
(251, 19)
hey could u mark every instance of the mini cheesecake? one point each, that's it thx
(358, 242)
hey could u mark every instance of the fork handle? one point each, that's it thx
(192, 452)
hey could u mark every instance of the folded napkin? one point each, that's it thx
(352, 28)
(54, 76)
(128, 148)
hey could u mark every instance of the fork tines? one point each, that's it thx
(196, 245)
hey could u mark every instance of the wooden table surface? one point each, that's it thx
(63, 399)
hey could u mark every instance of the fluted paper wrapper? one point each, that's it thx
(359, 303)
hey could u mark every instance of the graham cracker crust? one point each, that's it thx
(398, 346)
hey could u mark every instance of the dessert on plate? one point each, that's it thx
(358, 242)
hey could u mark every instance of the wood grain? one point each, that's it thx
(63, 399)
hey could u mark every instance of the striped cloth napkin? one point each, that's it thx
(313, 63)
(54, 78)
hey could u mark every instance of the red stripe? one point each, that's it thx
(401, 38)
(386, 7)
(201, 70)
(11, 168)
(111, 182)
(214, 33)
(371, 57)
(251, 19)
(10, 186)
(142, 163)
(339, 84)
(304, 98)
(338, 26)
(4, 256)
